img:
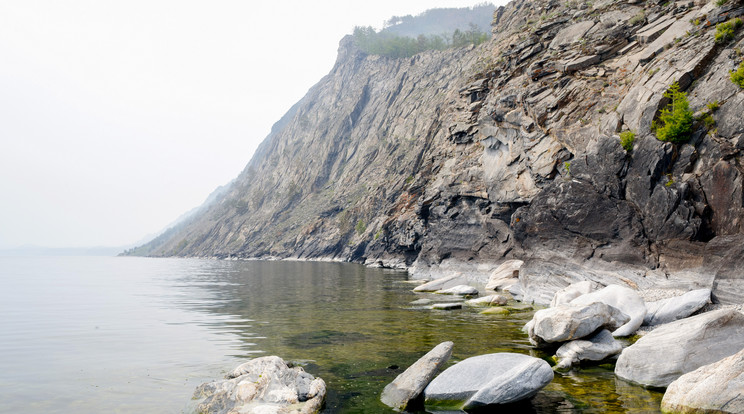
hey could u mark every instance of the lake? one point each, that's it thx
(137, 335)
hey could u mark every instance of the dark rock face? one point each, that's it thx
(465, 158)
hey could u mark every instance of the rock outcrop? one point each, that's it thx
(510, 150)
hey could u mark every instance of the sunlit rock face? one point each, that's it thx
(461, 159)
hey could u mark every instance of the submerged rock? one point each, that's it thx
(263, 385)
(674, 349)
(671, 309)
(408, 386)
(593, 348)
(625, 299)
(714, 388)
(491, 379)
(495, 310)
(447, 306)
(490, 300)
(566, 322)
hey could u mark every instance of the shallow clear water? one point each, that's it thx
(123, 335)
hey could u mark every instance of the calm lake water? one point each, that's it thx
(137, 335)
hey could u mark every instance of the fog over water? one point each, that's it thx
(117, 117)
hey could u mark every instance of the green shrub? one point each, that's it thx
(725, 31)
(638, 18)
(737, 76)
(713, 106)
(675, 120)
(720, 3)
(360, 227)
(626, 140)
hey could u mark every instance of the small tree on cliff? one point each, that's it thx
(675, 121)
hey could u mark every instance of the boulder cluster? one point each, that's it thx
(698, 355)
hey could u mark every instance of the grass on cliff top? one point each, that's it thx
(675, 120)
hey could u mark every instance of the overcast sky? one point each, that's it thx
(118, 116)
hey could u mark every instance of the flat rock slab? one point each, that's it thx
(263, 385)
(672, 309)
(461, 290)
(491, 379)
(407, 387)
(447, 306)
(597, 347)
(623, 298)
(674, 349)
(571, 34)
(441, 283)
(714, 388)
(567, 322)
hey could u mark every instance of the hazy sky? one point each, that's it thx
(118, 116)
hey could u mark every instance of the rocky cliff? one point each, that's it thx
(457, 160)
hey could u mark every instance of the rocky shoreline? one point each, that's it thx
(669, 339)
(686, 342)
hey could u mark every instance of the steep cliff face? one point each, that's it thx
(456, 160)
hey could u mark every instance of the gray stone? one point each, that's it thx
(679, 347)
(505, 275)
(571, 34)
(625, 299)
(421, 302)
(650, 32)
(671, 309)
(261, 385)
(447, 306)
(580, 63)
(566, 322)
(597, 347)
(491, 379)
(714, 388)
(441, 283)
(409, 385)
(573, 291)
(490, 300)
(461, 290)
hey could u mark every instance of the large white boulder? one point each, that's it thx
(441, 283)
(714, 388)
(409, 385)
(491, 379)
(567, 322)
(672, 309)
(573, 291)
(676, 348)
(620, 297)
